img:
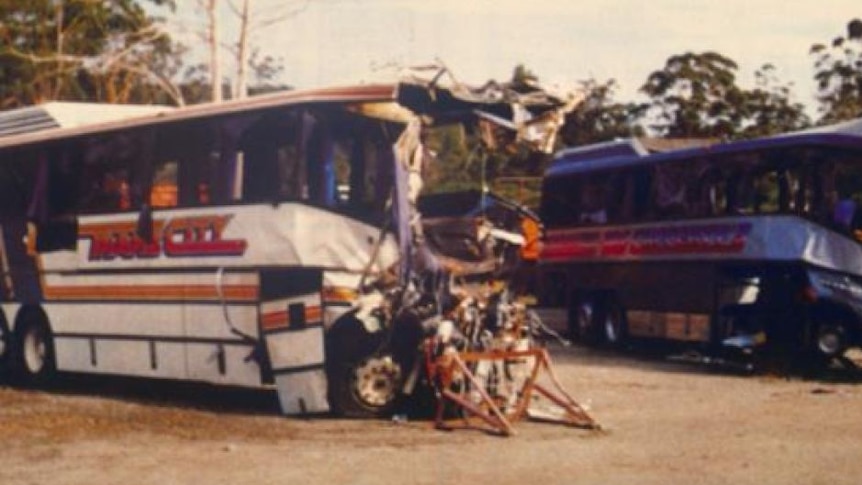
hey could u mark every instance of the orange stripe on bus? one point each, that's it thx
(151, 292)
(333, 294)
(280, 319)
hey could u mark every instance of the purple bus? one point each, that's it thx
(747, 244)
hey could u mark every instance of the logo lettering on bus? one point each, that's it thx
(180, 237)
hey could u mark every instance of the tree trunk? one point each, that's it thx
(213, 40)
(241, 85)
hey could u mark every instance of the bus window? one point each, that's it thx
(641, 198)
(110, 163)
(163, 190)
(559, 204)
(51, 209)
(107, 190)
(847, 186)
(291, 173)
(669, 190)
(710, 195)
(592, 200)
(259, 146)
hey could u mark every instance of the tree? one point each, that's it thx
(111, 51)
(598, 118)
(247, 21)
(695, 95)
(838, 72)
(769, 108)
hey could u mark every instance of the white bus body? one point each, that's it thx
(245, 243)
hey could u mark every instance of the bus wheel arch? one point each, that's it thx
(365, 370)
(32, 357)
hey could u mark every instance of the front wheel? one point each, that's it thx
(365, 379)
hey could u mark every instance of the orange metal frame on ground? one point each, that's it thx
(445, 369)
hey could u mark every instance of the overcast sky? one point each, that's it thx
(345, 41)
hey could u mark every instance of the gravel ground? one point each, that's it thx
(664, 422)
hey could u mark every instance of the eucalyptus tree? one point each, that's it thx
(838, 72)
(599, 118)
(111, 51)
(695, 95)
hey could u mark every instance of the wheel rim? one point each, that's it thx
(829, 342)
(376, 381)
(612, 330)
(4, 336)
(34, 351)
(584, 318)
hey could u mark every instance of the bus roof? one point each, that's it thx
(628, 152)
(372, 93)
(63, 114)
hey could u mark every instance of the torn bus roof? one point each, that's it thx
(391, 102)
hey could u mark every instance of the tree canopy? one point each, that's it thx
(83, 50)
(838, 72)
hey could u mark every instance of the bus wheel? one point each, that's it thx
(375, 382)
(830, 340)
(582, 322)
(364, 379)
(613, 324)
(5, 343)
(32, 357)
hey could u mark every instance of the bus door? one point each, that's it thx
(291, 327)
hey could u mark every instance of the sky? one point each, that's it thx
(561, 41)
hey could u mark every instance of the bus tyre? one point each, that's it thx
(5, 344)
(32, 354)
(613, 325)
(830, 340)
(582, 323)
(364, 380)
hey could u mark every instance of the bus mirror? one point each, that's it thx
(145, 223)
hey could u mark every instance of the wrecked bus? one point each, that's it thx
(745, 245)
(265, 242)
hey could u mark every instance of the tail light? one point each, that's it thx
(808, 294)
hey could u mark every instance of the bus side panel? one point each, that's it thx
(119, 338)
(687, 287)
(163, 340)
(214, 353)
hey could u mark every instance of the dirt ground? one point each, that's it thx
(665, 422)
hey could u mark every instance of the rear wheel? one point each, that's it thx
(582, 322)
(32, 352)
(830, 340)
(5, 343)
(613, 325)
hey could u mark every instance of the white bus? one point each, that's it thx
(736, 245)
(222, 243)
